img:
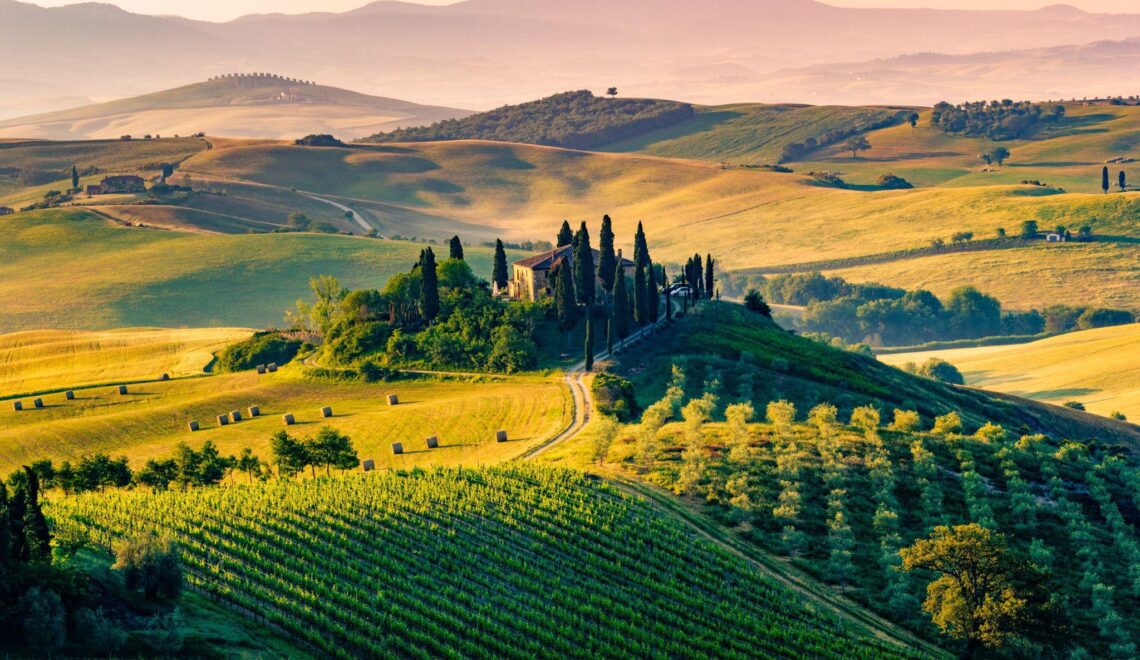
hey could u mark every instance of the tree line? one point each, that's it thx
(996, 120)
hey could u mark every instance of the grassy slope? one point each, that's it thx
(1100, 368)
(71, 269)
(43, 360)
(746, 133)
(755, 359)
(151, 420)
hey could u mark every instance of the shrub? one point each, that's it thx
(150, 565)
(1075, 405)
(321, 140)
(906, 421)
(261, 348)
(948, 424)
(990, 433)
(1103, 318)
(1118, 416)
(614, 396)
(100, 635)
(44, 621)
(754, 302)
(892, 182)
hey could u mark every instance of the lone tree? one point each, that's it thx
(499, 271)
(75, 178)
(1122, 181)
(456, 247)
(589, 342)
(977, 595)
(429, 293)
(565, 235)
(1104, 180)
(612, 92)
(999, 155)
(1029, 229)
(855, 144)
(584, 273)
(913, 119)
(607, 260)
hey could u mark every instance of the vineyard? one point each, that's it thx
(517, 561)
(840, 497)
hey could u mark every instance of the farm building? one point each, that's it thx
(5, 210)
(111, 185)
(531, 278)
(1055, 238)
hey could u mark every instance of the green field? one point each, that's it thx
(151, 420)
(504, 562)
(1099, 368)
(71, 269)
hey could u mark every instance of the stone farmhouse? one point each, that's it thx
(111, 185)
(531, 278)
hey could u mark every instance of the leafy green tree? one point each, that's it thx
(738, 416)
(972, 313)
(607, 259)
(999, 155)
(429, 300)
(150, 565)
(44, 621)
(455, 247)
(855, 144)
(289, 453)
(754, 302)
(584, 272)
(1029, 229)
(332, 449)
(612, 92)
(249, 463)
(565, 235)
(948, 424)
(499, 271)
(158, 474)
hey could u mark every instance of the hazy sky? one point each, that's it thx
(221, 10)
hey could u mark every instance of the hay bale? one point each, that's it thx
(272, 367)
(397, 448)
(122, 390)
(164, 377)
(433, 442)
(260, 369)
(38, 403)
(500, 436)
(369, 465)
(223, 420)
(288, 419)
(193, 424)
(326, 412)
(235, 416)
(17, 406)
(393, 400)
(69, 395)
(254, 411)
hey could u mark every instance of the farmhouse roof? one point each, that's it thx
(123, 178)
(546, 260)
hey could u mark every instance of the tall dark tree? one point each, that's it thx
(607, 259)
(698, 277)
(565, 302)
(621, 304)
(565, 235)
(499, 272)
(589, 342)
(710, 287)
(1104, 180)
(640, 297)
(37, 536)
(653, 294)
(584, 273)
(74, 178)
(456, 246)
(429, 293)
(5, 527)
(640, 247)
(610, 330)
(1122, 181)
(668, 305)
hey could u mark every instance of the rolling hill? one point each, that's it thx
(1099, 368)
(252, 106)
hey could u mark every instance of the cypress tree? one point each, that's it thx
(37, 536)
(74, 177)
(1104, 180)
(429, 294)
(621, 304)
(668, 305)
(710, 287)
(610, 333)
(640, 247)
(584, 273)
(565, 235)
(698, 277)
(499, 272)
(5, 528)
(640, 297)
(565, 304)
(456, 248)
(1122, 181)
(607, 260)
(653, 296)
(589, 342)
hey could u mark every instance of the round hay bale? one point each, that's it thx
(500, 436)
(235, 416)
(393, 400)
(369, 465)
(17, 406)
(260, 369)
(254, 411)
(326, 412)
(397, 448)
(193, 424)
(164, 377)
(433, 442)
(272, 367)
(38, 403)
(69, 395)
(288, 419)
(223, 420)
(122, 390)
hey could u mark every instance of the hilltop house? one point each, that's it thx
(531, 278)
(5, 210)
(111, 185)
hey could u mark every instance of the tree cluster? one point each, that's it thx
(996, 120)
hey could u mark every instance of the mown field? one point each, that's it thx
(1099, 368)
(504, 562)
(151, 419)
(72, 269)
(43, 360)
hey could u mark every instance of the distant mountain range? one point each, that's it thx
(483, 53)
(260, 106)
